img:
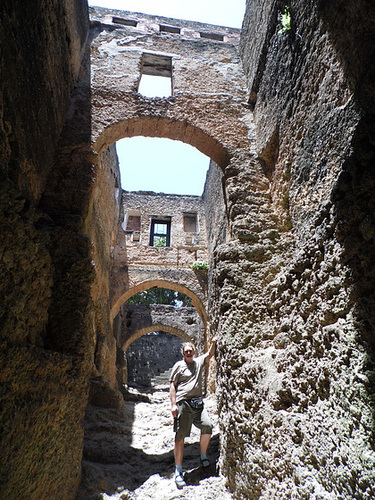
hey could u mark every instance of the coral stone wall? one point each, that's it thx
(101, 226)
(302, 383)
(43, 386)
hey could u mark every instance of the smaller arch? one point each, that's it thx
(146, 285)
(165, 328)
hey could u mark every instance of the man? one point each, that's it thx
(186, 392)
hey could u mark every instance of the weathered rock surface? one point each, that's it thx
(295, 302)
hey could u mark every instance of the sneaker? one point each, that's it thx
(179, 480)
(205, 463)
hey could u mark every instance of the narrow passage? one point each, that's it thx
(128, 453)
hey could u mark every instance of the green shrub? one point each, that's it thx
(286, 21)
(199, 265)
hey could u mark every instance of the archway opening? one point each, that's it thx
(166, 128)
(151, 327)
(161, 165)
(164, 284)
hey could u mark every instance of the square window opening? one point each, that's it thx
(169, 29)
(212, 36)
(156, 76)
(132, 221)
(191, 223)
(160, 235)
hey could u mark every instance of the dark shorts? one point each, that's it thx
(187, 416)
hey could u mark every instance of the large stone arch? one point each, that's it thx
(171, 127)
(160, 283)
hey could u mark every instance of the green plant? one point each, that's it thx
(199, 265)
(286, 20)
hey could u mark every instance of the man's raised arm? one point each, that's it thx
(211, 351)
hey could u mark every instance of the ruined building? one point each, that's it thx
(285, 110)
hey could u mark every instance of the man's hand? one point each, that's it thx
(174, 411)
(212, 350)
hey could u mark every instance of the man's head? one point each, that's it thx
(188, 352)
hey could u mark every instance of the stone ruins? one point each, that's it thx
(284, 108)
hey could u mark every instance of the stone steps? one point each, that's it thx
(161, 380)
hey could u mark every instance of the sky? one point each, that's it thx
(163, 165)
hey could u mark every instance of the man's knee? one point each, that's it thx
(207, 429)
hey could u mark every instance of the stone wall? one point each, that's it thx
(43, 386)
(150, 359)
(186, 246)
(297, 354)
(138, 320)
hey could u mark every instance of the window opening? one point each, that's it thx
(125, 22)
(169, 29)
(133, 223)
(212, 36)
(160, 233)
(190, 223)
(156, 76)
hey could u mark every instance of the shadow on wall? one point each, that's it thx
(353, 196)
(151, 358)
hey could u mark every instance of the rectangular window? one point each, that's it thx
(212, 36)
(125, 22)
(133, 223)
(190, 223)
(156, 76)
(160, 235)
(169, 29)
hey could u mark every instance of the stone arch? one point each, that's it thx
(146, 285)
(165, 328)
(168, 128)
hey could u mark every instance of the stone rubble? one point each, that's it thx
(128, 453)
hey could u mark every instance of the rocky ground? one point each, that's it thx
(128, 453)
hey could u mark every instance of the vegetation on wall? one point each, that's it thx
(286, 20)
(199, 265)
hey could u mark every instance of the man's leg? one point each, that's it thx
(179, 451)
(183, 430)
(205, 425)
(178, 456)
(204, 442)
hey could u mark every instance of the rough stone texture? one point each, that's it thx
(101, 226)
(303, 381)
(43, 384)
(35, 97)
(215, 207)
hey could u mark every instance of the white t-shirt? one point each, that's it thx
(188, 378)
